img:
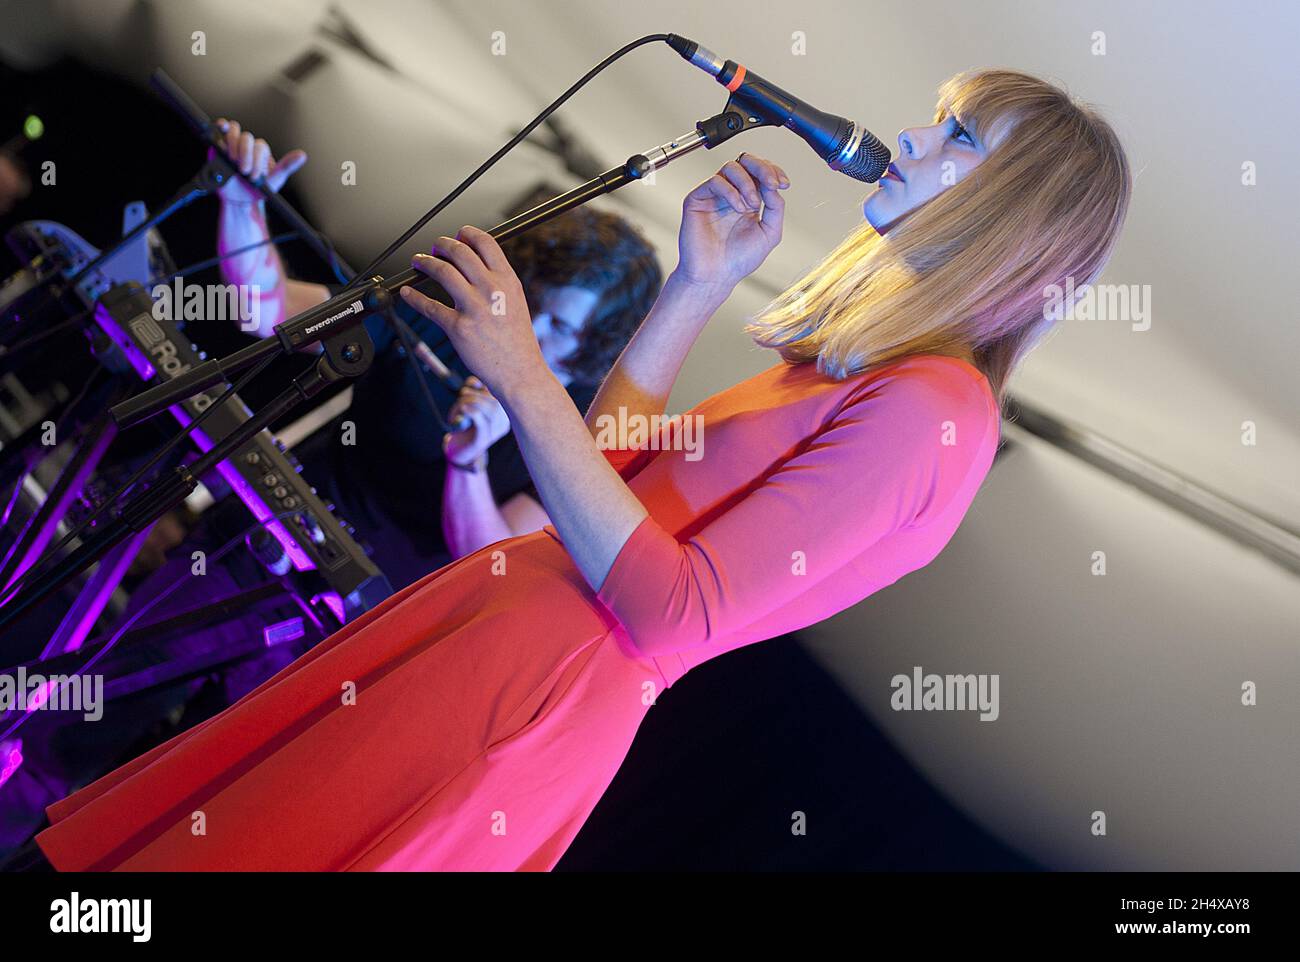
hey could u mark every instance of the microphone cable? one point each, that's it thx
(505, 149)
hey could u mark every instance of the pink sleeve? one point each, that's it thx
(875, 469)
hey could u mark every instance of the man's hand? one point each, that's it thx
(253, 158)
(488, 423)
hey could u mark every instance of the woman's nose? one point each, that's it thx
(908, 143)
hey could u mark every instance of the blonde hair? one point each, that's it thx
(970, 268)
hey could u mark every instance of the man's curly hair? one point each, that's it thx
(603, 253)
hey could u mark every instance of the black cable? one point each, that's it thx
(58, 430)
(59, 328)
(214, 261)
(403, 331)
(533, 124)
(407, 337)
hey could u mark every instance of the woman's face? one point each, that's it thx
(930, 160)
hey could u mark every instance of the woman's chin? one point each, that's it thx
(874, 215)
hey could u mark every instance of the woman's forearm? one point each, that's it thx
(643, 377)
(589, 504)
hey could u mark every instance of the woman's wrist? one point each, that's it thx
(684, 303)
(526, 387)
(705, 297)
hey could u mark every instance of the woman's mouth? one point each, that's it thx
(892, 171)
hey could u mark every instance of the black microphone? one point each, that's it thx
(433, 364)
(845, 145)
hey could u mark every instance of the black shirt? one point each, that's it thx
(388, 483)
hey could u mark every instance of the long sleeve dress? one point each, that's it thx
(473, 720)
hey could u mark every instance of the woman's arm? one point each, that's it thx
(896, 454)
(591, 507)
(726, 234)
(644, 375)
(720, 243)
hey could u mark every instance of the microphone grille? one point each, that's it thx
(868, 162)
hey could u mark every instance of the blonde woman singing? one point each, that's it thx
(473, 720)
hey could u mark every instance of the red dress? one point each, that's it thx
(473, 720)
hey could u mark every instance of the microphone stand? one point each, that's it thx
(348, 352)
(349, 307)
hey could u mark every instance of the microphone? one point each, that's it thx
(845, 145)
(433, 364)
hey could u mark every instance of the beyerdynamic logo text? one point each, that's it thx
(353, 308)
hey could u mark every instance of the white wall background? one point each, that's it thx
(1120, 693)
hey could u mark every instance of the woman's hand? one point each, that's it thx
(490, 327)
(253, 158)
(489, 423)
(731, 222)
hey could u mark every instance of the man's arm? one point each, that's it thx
(242, 224)
(472, 519)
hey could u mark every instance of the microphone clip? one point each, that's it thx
(735, 118)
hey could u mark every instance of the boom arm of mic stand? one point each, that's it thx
(378, 293)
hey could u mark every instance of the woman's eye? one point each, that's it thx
(958, 132)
